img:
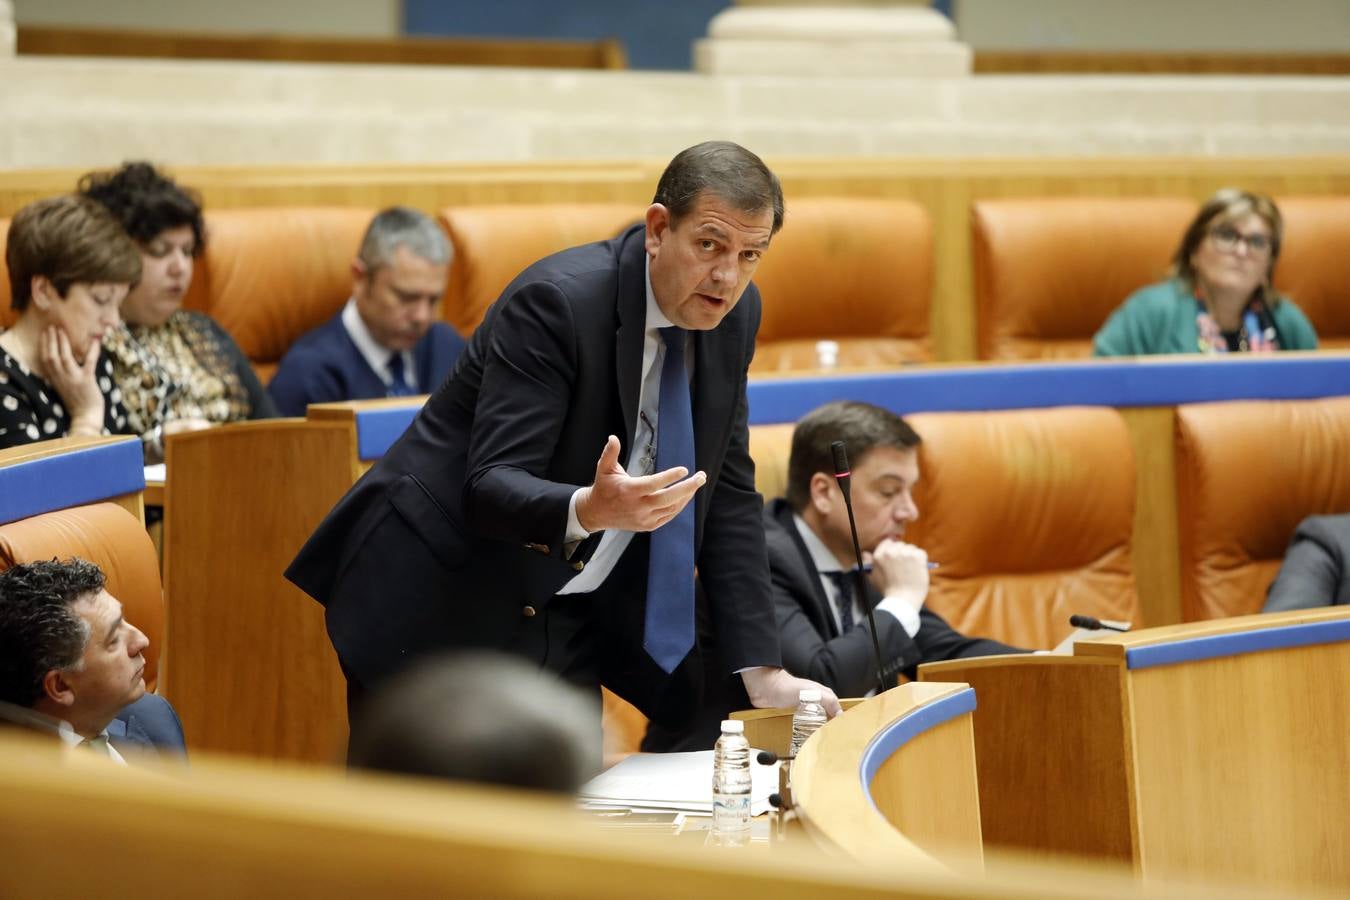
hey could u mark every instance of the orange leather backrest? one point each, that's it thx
(770, 448)
(114, 540)
(273, 274)
(1247, 473)
(1029, 514)
(1049, 271)
(1314, 265)
(493, 244)
(855, 271)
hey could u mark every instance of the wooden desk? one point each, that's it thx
(1218, 750)
(154, 493)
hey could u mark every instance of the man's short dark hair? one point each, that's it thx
(147, 202)
(726, 170)
(483, 717)
(861, 426)
(38, 629)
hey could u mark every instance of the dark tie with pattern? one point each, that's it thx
(399, 387)
(668, 633)
(843, 586)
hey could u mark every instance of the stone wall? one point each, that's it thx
(93, 112)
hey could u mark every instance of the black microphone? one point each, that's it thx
(1092, 623)
(766, 758)
(841, 475)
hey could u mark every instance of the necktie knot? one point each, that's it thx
(398, 386)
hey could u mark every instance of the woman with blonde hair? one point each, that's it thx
(1220, 298)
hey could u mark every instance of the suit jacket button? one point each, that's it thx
(528, 612)
(578, 565)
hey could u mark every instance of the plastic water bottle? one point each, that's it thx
(809, 716)
(731, 785)
(827, 354)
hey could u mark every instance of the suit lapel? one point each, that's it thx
(631, 309)
(821, 614)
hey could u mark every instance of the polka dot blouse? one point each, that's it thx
(31, 409)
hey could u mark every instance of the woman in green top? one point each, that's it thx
(1220, 298)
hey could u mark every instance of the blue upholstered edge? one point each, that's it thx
(377, 429)
(1031, 385)
(927, 717)
(1217, 645)
(87, 475)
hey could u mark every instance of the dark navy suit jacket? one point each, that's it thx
(458, 531)
(149, 724)
(325, 366)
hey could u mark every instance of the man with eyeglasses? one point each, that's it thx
(1220, 298)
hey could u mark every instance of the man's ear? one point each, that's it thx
(57, 689)
(359, 274)
(824, 493)
(658, 223)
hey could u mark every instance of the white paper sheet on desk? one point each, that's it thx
(677, 781)
(155, 472)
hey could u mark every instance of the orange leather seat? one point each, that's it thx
(855, 271)
(103, 533)
(273, 274)
(7, 314)
(1049, 271)
(1029, 514)
(1247, 473)
(1314, 265)
(493, 244)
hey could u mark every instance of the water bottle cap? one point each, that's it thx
(733, 726)
(809, 695)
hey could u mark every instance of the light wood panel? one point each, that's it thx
(1062, 62)
(1157, 562)
(1235, 767)
(922, 805)
(231, 829)
(604, 53)
(250, 666)
(946, 188)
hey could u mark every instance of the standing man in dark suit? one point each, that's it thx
(386, 341)
(824, 629)
(540, 502)
(68, 657)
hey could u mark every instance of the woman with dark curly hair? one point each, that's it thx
(178, 369)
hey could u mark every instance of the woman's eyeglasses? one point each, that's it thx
(1226, 239)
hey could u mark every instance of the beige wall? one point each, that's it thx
(360, 18)
(1287, 26)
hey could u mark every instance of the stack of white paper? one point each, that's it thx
(649, 782)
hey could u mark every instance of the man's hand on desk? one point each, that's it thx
(769, 687)
(618, 500)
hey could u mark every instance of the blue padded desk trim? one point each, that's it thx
(1277, 638)
(71, 479)
(884, 745)
(1034, 385)
(377, 429)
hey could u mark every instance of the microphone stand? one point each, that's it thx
(841, 475)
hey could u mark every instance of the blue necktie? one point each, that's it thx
(843, 583)
(400, 386)
(669, 629)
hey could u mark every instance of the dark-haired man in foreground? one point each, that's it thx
(539, 503)
(823, 626)
(68, 655)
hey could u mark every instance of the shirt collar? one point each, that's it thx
(375, 355)
(655, 318)
(821, 556)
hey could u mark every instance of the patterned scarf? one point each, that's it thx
(1257, 334)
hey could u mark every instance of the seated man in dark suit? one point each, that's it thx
(385, 342)
(1316, 570)
(823, 627)
(70, 660)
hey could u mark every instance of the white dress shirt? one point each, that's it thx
(826, 561)
(375, 354)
